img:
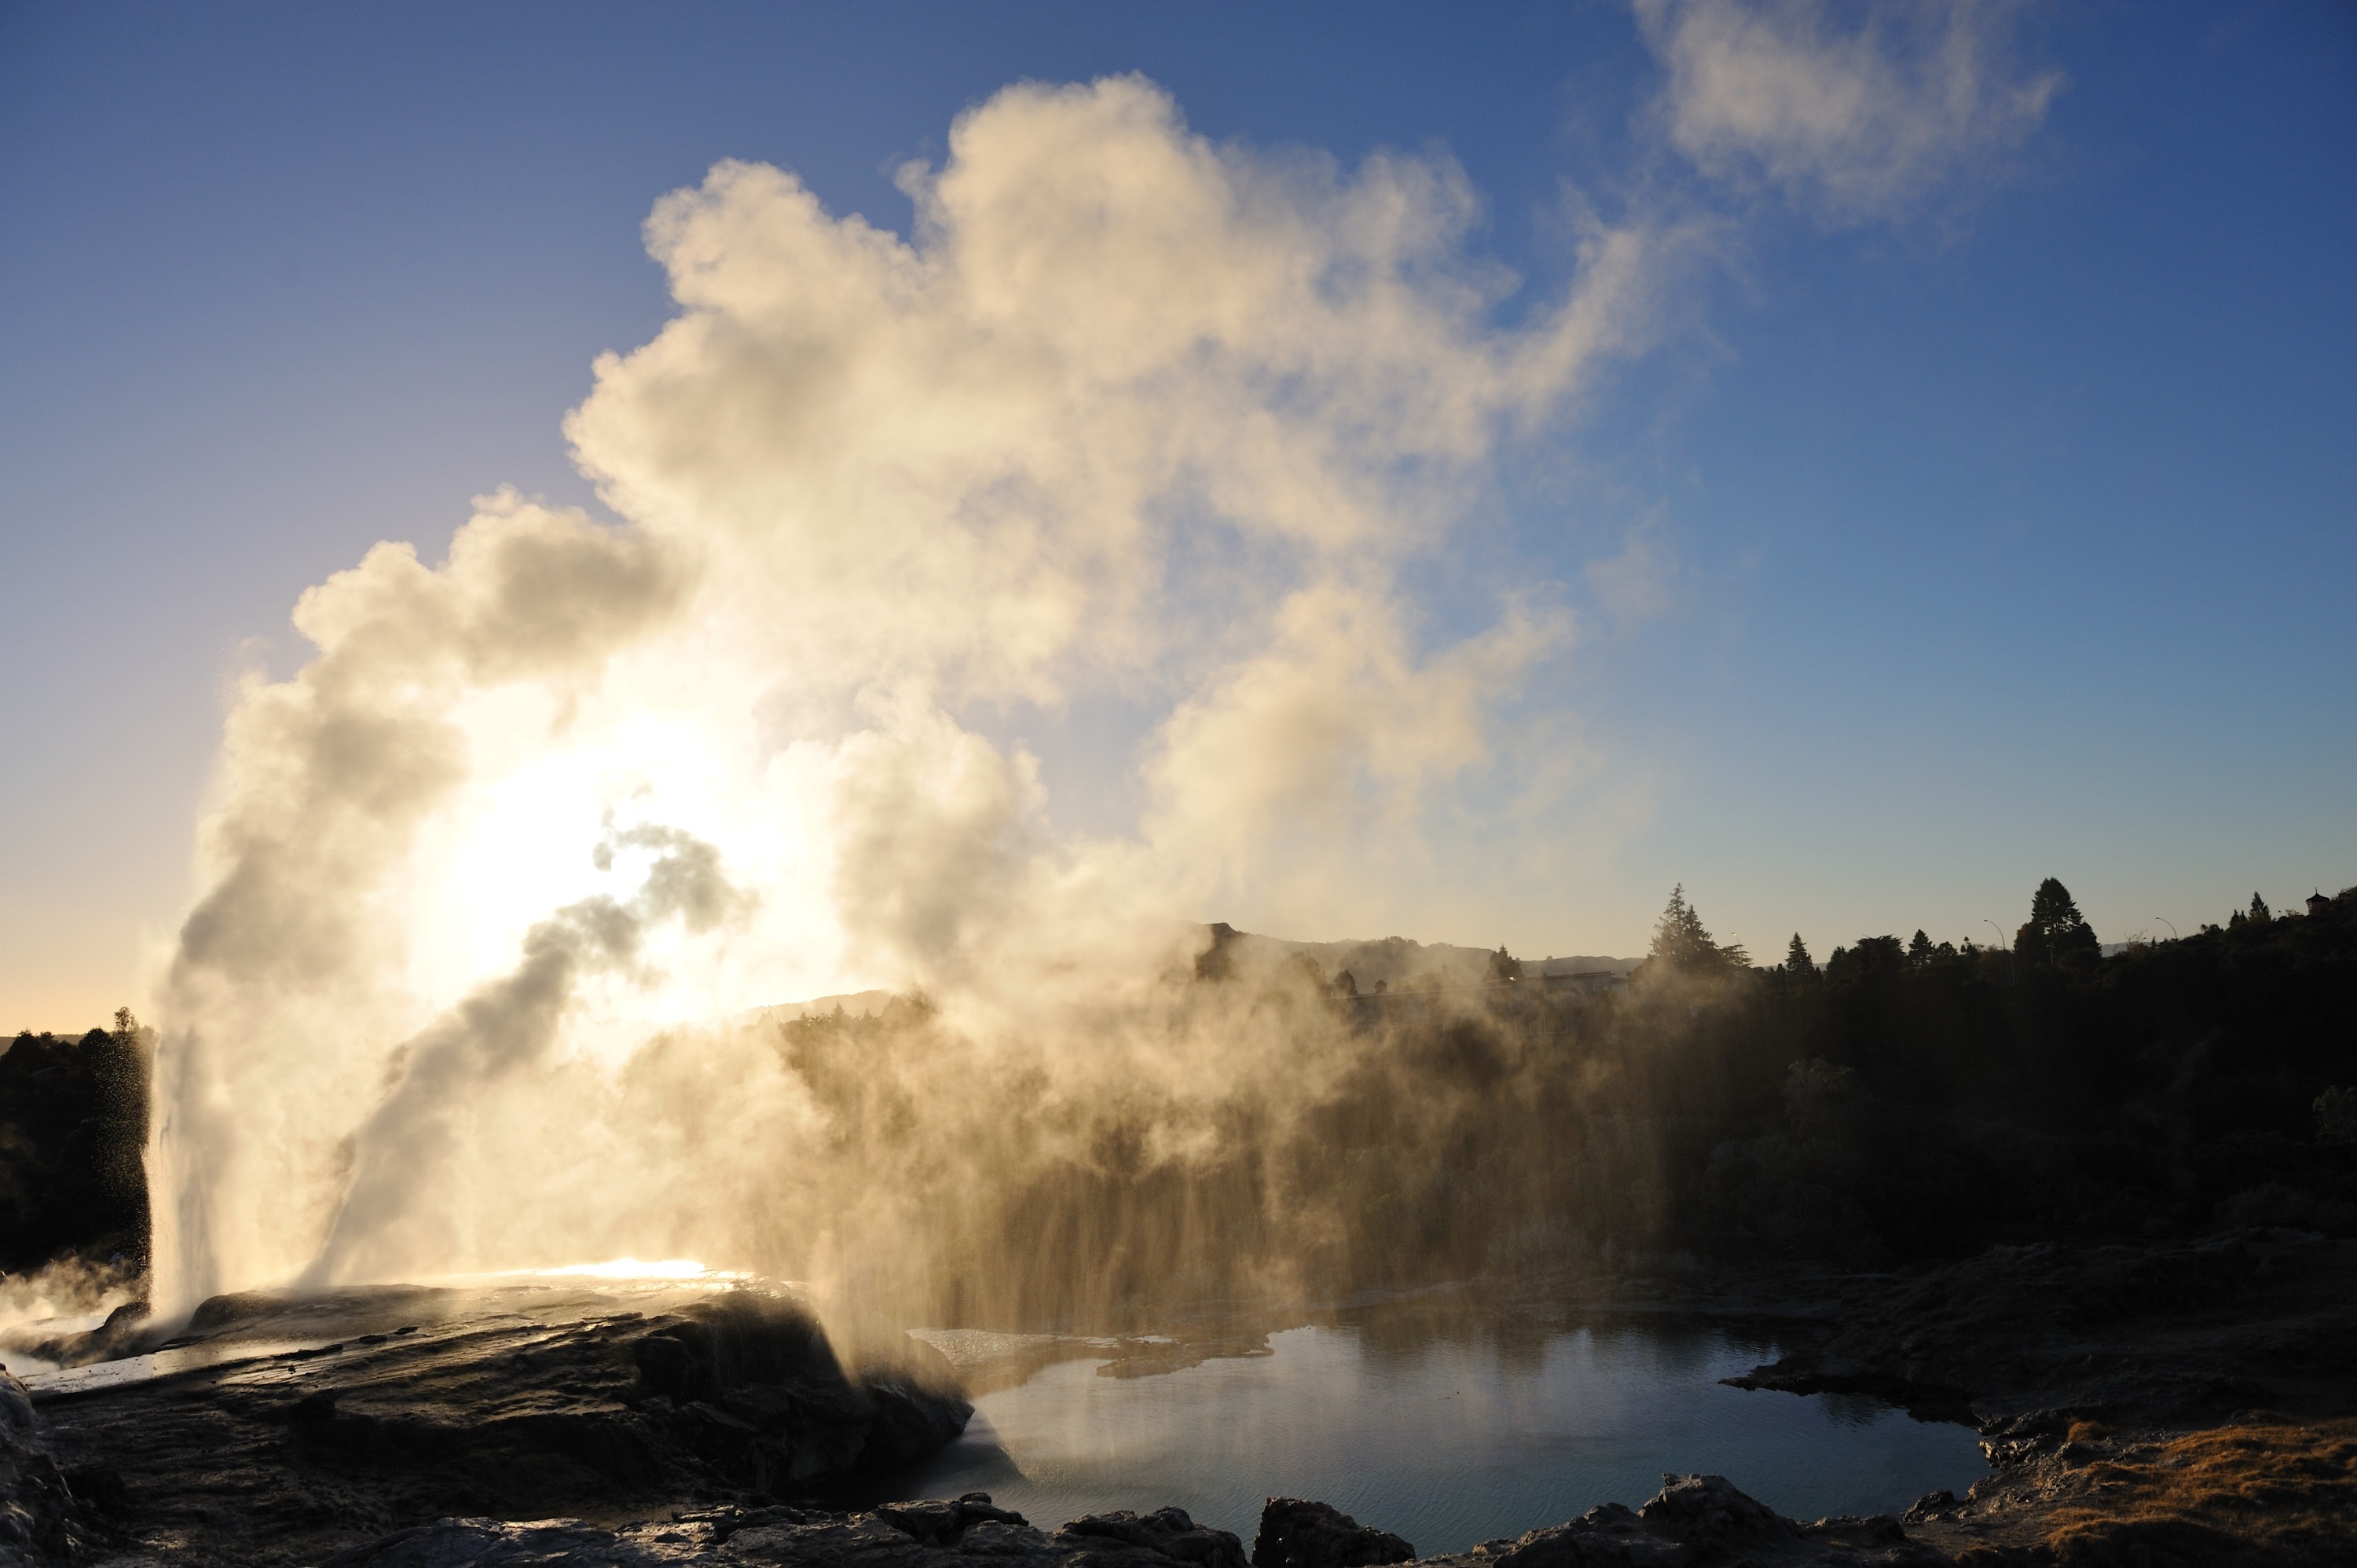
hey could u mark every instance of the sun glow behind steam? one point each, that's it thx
(549, 784)
(1132, 416)
(1134, 413)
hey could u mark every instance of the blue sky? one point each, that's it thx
(2002, 533)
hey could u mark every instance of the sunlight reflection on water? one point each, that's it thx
(1447, 1442)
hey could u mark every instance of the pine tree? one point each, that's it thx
(1681, 944)
(2260, 914)
(2055, 928)
(1919, 951)
(1797, 961)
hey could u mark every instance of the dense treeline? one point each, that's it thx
(1908, 1102)
(73, 1124)
(1924, 1100)
(1274, 1131)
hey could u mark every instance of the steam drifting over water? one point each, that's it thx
(1135, 419)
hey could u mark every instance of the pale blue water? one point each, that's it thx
(1446, 1441)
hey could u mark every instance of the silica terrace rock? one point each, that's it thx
(249, 1441)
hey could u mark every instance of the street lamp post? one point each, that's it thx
(2001, 947)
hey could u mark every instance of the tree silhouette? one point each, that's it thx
(2336, 1116)
(1681, 944)
(2260, 914)
(1504, 966)
(1871, 959)
(2055, 929)
(1797, 961)
(1919, 951)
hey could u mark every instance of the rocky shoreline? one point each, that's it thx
(2180, 1402)
(1693, 1521)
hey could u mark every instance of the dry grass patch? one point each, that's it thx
(2265, 1489)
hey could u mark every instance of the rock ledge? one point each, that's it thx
(1694, 1522)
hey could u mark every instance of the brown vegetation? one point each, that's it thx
(2262, 1489)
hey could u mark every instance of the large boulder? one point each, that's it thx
(1145, 1541)
(539, 1404)
(1701, 1521)
(1295, 1534)
(753, 1383)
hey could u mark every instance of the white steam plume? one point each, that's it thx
(404, 1150)
(1859, 112)
(1133, 414)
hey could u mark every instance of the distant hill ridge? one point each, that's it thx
(1393, 960)
(852, 1001)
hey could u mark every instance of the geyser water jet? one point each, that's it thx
(1132, 415)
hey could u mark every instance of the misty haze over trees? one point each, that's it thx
(1903, 1102)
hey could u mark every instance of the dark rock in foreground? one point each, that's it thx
(1696, 1521)
(407, 1428)
(419, 1444)
(1700, 1520)
(1298, 1534)
(250, 1441)
(38, 1519)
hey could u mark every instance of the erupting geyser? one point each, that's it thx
(1135, 420)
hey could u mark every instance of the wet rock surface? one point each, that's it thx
(39, 1519)
(233, 1444)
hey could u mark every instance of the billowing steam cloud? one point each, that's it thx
(288, 993)
(1134, 420)
(1133, 414)
(1859, 113)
